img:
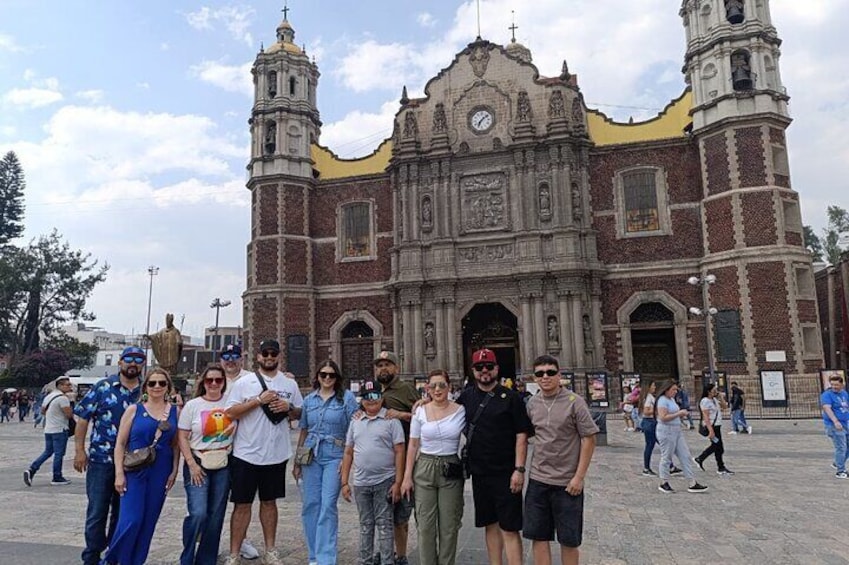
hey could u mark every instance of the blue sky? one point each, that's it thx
(130, 117)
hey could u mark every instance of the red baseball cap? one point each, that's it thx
(484, 356)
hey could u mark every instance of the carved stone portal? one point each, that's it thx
(484, 201)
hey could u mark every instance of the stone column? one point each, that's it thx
(440, 336)
(577, 329)
(418, 338)
(406, 366)
(565, 321)
(396, 325)
(453, 338)
(595, 318)
(526, 339)
(540, 337)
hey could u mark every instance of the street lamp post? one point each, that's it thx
(708, 312)
(218, 304)
(153, 270)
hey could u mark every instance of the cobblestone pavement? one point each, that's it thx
(783, 506)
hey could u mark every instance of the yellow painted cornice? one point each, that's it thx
(330, 166)
(670, 123)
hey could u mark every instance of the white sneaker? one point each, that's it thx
(272, 557)
(749, 429)
(248, 551)
(732, 433)
(232, 560)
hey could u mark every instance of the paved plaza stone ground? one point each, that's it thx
(783, 506)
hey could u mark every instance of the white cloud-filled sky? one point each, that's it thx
(130, 117)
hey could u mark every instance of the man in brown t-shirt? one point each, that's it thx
(564, 445)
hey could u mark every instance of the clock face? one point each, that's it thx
(481, 120)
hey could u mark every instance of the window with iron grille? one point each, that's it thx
(641, 210)
(356, 230)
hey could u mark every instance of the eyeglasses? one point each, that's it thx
(270, 353)
(230, 356)
(482, 366)
(439, 385)
(546, 373)
(214, 380)
(157, 383)
(138, 360)
(327, 375)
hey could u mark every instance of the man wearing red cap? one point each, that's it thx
(497, 429)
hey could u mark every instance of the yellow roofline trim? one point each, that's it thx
(330, 166)
(670, 123)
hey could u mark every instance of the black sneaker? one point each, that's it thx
(724, 471)
(699, 462)
(649, 473)
(697, 488)
(61, 481)
(675, 471)
(28, 477)
(401, 561)
(665, 488)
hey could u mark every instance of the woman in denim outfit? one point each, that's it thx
(324, 424)
(204, 427)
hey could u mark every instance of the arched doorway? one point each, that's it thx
(493, 326)
(357, 350)
(653, 342)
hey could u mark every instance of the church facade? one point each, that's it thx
(504, 213)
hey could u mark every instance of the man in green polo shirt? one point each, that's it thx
(398, 399)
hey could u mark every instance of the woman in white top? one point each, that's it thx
(711, 406)
(671, 439)
(435, 469)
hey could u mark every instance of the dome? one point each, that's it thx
(283, 46)
(519, 51)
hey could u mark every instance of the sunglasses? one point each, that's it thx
(157, 383)
(439, 385)
(546, 373)
(270, 353)
(327, 375)
(230, 357)
(482, 366)
(138, 360)
(214, 380)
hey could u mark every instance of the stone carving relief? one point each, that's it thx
(479, 59)
(556, 105)
(577, 113)
(484, 201)
(588, 334)
(411, 127)
(486, 253)
(553, 331)
(427, 213)
(429, 340)
(294, 141)
(577, 212)
(439, 122)
(524, 113)
(544, 201)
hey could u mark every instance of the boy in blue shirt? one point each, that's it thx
(835, 416)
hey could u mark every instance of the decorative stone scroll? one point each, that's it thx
(486, 253)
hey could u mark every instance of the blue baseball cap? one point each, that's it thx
(133, 350)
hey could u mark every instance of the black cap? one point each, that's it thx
(271, 344)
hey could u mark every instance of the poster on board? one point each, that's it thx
(825, 377)
(773, 389)
(597, 390)
(630, 380)
(567, 380)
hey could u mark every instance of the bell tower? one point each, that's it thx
(751, 221)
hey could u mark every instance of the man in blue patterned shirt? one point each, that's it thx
(103, 407)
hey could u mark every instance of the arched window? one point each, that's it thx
(357, 350)
(355, 231)
(641, 202)
(742, 77)
(734, 11)
(272, 84)
(292, 84)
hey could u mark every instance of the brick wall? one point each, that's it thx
(295, 260)
(717, 164)
(268, 210)
(759, 223)
(264, 320)
(293, 210)
(266, 258)
(720, 225)
(750, 156)
(769, 302)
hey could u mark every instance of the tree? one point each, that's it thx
(52, 286)
(12, 186)
(813, 243)
(40, 367)
(832, 245)
(82, 355)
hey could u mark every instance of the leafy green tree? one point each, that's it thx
(833, 243)
(12, 186)
(82, 355)
(813, 243)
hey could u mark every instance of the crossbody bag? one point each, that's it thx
(470, 432)
(144, 457)
(72, 424)
(275, 417)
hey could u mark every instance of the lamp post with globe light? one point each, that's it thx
(708, 312)
(218, 304)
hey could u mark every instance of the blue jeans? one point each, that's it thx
(103, 503)
(649, 431)
(375, 510)
(207, 505)
(321, 486)
(54, 446)
(840, 439)
(738, 421)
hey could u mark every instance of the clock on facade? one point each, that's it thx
(481, 120)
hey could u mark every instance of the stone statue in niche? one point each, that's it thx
(544, 200)
(553, 330)
(294, 141)
(577, 113)
(577, 213)
(429, 342)
(479, 59)
(588, 334)
(439, 123)
(556, 106)
(427, 212)
(411, 127)
(523, 108)
(270, 138)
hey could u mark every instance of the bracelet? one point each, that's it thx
(344, 485)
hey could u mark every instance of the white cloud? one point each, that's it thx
(143, 85)
(8, 131)
(232, 78)
(93, 95)
(235, 19)
(8, 43)
(359, 133)
(164, 46)
(426, 19)
(30, 98)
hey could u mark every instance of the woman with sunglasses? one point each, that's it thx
(152, 421)
(326, 414)
(670, 438)
(206, 437)
(434, 470)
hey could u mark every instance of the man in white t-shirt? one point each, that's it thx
(262, 403)
(57, 413)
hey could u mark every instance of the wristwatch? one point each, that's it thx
(520, 468)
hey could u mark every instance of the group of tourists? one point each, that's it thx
(14, 404)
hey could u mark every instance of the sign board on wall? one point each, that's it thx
(773, 389)
(776, 357)
(597, 390)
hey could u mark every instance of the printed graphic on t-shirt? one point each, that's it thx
(213, 423)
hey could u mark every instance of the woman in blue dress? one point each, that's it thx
(143, 492)
(324, 424)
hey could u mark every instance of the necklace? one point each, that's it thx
(548, 407)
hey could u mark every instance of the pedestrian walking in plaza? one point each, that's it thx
(324, 423)
(150, 423)
(636, 398)
(627, 409)
(23, 406)
(375, 447)
(57, 413)
(711, 405)
(564, 443)
(648, 424)
(682, 398)
(102, 409)
(738, 411)
(835, 417)
(205, 435)
(497, 429)
(671, 439)
(5, 406)
(262, 405)
(434, 470)
(398, 398)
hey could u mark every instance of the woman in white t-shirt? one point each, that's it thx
(711, 406)
(434, 470)
(206, 435)
(671, 439)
